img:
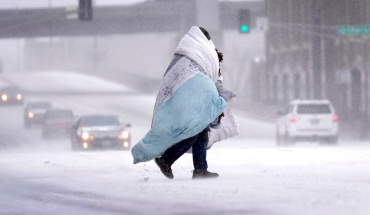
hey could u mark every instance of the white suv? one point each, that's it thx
(307, 120)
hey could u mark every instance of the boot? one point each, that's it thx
(165, 168)
(203, 173)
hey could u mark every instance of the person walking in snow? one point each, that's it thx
(187, 102)
(197, 143)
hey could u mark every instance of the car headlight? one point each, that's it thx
(124, 135)
(4, 97)
(126, 144)
(31, 115)
(19, 96)
(85, 135)
(85, 145)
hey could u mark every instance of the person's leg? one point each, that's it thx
(200, 157)
(200, 151)
(173, 153)
(176, 151)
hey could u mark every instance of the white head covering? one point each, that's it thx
(198, 48)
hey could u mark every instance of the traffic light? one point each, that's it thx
(85, 10)
(244, 20)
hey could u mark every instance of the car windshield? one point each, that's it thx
(39, 105)
(60, 114)
(100, 121)
(313, 109)
(11, 89)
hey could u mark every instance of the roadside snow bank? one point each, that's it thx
(62, 82)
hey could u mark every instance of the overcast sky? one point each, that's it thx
(61, 3)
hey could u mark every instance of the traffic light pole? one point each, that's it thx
(85, 10)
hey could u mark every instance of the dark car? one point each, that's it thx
(11, 95)
(34, 112)
(100, 132)
(57, 122)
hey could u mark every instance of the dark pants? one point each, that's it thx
(199, 146)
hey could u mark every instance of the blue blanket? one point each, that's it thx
(189, 110)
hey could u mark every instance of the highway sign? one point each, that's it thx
(353, 30)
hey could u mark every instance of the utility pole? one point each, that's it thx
(316, 53)
(50, 46)
(365, 57)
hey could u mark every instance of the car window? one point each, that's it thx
(100, 121)
(313, 109)
(10, 90)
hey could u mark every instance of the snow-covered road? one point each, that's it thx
(45, 177)
(254, 180)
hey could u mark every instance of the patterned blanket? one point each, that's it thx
(187, 101)
(184, 108)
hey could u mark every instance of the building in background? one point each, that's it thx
(320, 49)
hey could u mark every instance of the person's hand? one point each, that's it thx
(219, 117)
(220, 56)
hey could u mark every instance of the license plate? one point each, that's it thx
(106, 143)
(314, 121)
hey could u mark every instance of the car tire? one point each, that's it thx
(333, 140)
(74, 144)
(283, 140)
(289, 140)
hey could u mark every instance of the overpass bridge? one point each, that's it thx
(152, 16)
(114, 45)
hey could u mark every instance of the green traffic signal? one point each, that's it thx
(244, 19)
(244, 29)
